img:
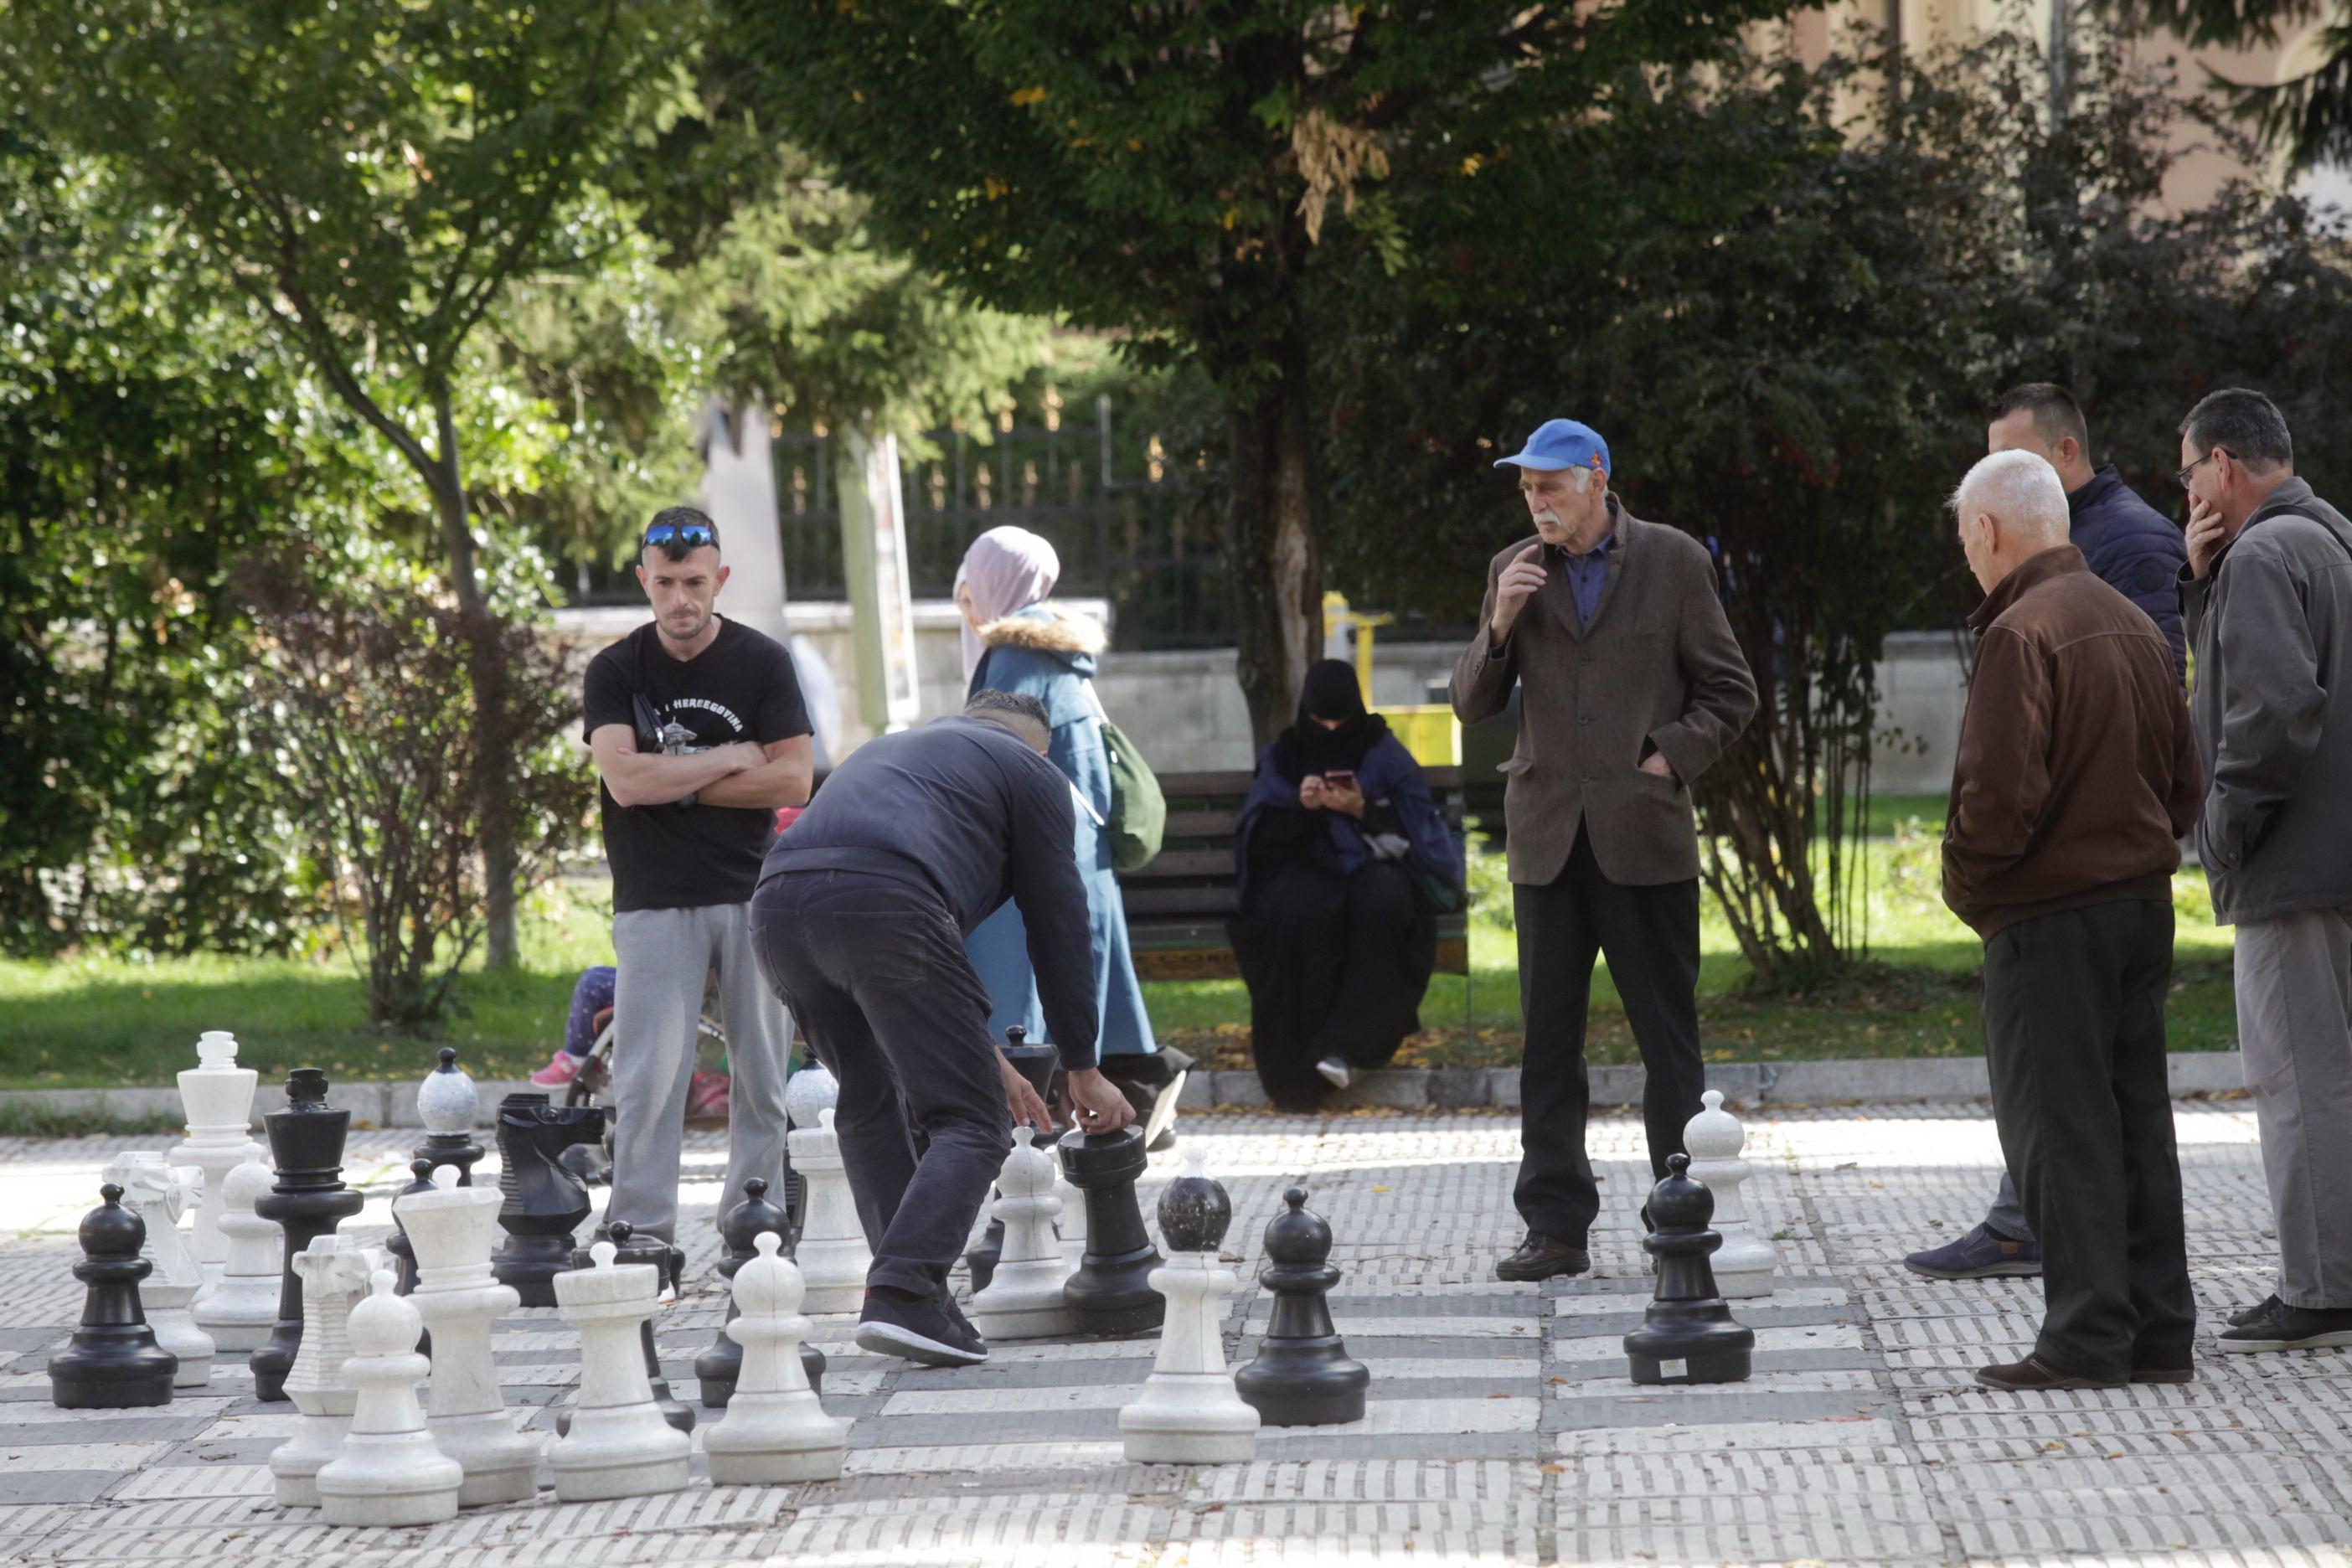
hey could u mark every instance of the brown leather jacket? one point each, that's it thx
(2077, 771)
(1658, 668)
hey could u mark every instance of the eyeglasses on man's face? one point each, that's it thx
(2183, 475)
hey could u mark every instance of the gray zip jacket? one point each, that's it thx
(2271, 697)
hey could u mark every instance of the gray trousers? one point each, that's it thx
(663, 957)
(2006, 1219)
(2294, 1025)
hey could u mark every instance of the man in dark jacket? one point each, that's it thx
(2138, 552)
(2268, 592)
(860, 921)
(2078, 775)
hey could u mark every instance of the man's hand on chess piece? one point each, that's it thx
(1027, 1109)
(1098, 1104)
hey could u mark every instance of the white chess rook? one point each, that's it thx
(833, 1254)
(774, 1430)
(334, 1271)
(1023, 1299)
(239, 1309)
(159, 1193)
(1189, 1412)
(1746, 1262)
(620, 1445)
(452, 1230)
(389, 1472)
(217, 1096)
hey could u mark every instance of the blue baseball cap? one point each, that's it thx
(1561, 443)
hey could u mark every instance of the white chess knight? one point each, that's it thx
(1746, 1262)
(334, 1271)
(774, 1430)
(833, 1254)
(388, 1472)
(217, 1096)
(1023, 1299)
(159, 1193)
(451, 1230)
(239, 1309)
(619, 1444)
(1188, 1412)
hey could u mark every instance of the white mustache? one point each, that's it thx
(1549, 517)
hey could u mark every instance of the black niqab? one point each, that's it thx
(1330, 692)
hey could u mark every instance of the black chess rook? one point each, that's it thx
(1303, 1376)
(1111, 1293)
(308, 1200)
(1687, 1333)
(112, 1362)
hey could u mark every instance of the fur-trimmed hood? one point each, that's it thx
(1047, 628)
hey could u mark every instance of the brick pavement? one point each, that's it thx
(1502, 1428)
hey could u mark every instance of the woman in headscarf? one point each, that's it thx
(1344, 858)
(1016, 639)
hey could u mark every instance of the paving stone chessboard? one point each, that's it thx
(1502, 1427)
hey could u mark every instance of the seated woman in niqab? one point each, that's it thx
(1344, 858)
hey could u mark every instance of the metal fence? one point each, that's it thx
(1144, 538)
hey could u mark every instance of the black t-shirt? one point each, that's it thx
(741, 688)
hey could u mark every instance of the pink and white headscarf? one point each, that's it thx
(1006, 569)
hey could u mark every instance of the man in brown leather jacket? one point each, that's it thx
(2076, 775)
(1631, 685)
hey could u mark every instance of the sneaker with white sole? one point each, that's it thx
(2285, 1328)
(921, 1332)
(1337, 1071)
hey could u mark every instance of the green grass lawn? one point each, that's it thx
(109, 1022)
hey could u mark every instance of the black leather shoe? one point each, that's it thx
(1541, 1256)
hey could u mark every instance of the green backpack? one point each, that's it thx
(1139, 809)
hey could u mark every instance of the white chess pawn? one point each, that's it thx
(1746, 1262)
(451, 1230)
(833, 1254)
(774, 1430)
(1023, 1299)
(239, 1309)
(620, 1445)
(334, 1271)
(1189, 1412)
(159, 1193)
(217, 1096)
(389, 1472)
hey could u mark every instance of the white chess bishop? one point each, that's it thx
(832, 1255)
(388, 1472)
(1023, 1299)
(239, 1309)
(1746, 1263)
(217, 1096)
(451, 1230)
(774, 1430)
(620, 1445)
(159, 1193)
(334, 1271)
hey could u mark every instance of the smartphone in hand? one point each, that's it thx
(1340, 778)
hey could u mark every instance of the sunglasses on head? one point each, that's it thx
(686, 535)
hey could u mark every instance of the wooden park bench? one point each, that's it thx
(1178, 905)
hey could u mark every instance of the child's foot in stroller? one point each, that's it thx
(705, 1096)
(559, 1070)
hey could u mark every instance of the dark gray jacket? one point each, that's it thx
(2271, 630)
(964, 809)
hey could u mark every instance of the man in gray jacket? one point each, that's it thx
(2267, 596)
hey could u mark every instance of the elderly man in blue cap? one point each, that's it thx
(1631, 685)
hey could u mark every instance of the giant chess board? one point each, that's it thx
(1501, 1428)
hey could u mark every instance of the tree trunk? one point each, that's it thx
(501, 948)
(1274, 514)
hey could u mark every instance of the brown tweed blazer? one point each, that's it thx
(1658, 667)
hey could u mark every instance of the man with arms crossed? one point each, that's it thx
(685, 827)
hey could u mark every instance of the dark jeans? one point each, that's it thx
(875, 971)
(2074, 1017)
(1651, 937)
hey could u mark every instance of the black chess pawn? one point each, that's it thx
(112, 1362)
(630, 1247)
(449, 1145)
(309, 1200)
(1687, 1334)
(544, 1202)
(717, 1368)
(1035, 1064)
(1111, 1291)
(1303, 1376)
(420, 1180)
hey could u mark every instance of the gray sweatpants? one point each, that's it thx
(2295, 1026)
(663, 957)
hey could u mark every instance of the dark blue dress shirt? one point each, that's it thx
(1588, 574)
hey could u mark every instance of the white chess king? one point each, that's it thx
(217, 1096)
